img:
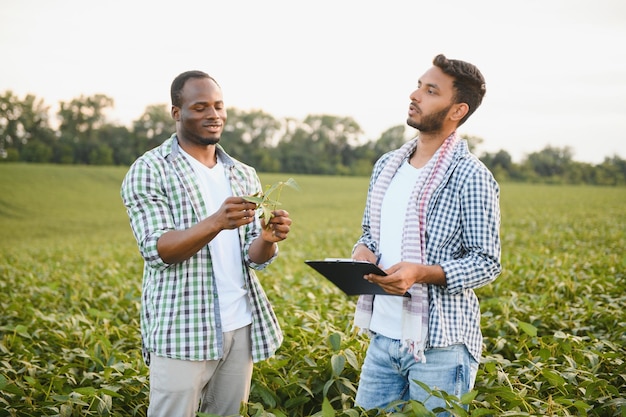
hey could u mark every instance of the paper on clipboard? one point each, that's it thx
(347, 275)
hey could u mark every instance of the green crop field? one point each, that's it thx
(70, 276)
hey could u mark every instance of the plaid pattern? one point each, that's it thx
(461, 234)
(180, 316)
(415, 317)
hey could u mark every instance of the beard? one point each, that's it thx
(192, 135)
(208, 141)
(431, 122)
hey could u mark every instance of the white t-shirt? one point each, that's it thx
(225, 249)
(387, 314)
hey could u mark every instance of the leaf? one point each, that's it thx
(271, 204)
(110, 393)
(583, 408)
(13, 389)
(335, 341)
(338, 362)
(268, 396)
(32, 381)
(86, 390)
(478, 412)
(296, 401)
(527, 328)
(105, 405)
(351, 358)
(468, 397)
(419, 409)
(553, 377)
(327, 387)
(292, 183)
(272, 188)
(267, 215)
(22, 331)
(327, 409)
(61, 398)
(253, 199)
(99, 313)
(267, 204)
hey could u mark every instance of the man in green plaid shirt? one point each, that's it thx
(204, 315)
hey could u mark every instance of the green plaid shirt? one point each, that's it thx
(180, 315)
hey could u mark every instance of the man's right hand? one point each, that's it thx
(234, 212)
(177, 246)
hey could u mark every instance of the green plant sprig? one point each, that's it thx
(264, 201)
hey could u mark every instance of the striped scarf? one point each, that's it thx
(415, 307)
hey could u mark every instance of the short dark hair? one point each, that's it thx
(468, 82)
(176, 90)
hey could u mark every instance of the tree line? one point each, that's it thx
(80, 133)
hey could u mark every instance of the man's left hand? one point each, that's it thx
(278, 227)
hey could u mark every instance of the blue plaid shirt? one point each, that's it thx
(463, 237)
(180, 309)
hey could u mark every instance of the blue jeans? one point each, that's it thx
(388, 372)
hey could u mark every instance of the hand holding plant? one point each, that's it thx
(264, 201)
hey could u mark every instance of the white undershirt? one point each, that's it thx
(225, 249)
(387, 314)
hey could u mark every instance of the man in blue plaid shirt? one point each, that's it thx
(204, 315)
(431, 221)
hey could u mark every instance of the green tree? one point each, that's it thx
(500, 164)
(551, 162)
(152, 128)
(390, 139)
(10, 111)
(612, 171)
(250, 136)
(296, 152)
(338, 136)
(122, 149)
(80, 119)
(366, 155)
(36, 151)
(321, 144)
(25, 128)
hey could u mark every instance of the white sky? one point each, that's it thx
(555, 69)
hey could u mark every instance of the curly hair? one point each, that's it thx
(176, 90)
(468, 82)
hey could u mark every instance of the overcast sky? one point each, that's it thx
(555, 70)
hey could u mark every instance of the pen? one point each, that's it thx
(378, 258)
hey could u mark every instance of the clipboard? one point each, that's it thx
(347, 275)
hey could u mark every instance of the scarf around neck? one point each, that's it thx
(414, 308)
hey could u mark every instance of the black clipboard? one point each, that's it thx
(347, 275)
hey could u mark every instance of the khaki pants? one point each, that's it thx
(180, 388)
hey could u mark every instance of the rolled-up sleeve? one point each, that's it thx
(148, 210)
(476, 261)
(252, 232)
